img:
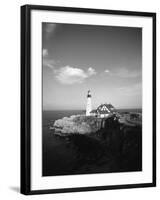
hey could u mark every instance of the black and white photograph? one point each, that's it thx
(92, 99)
(79, 100)
(88, 99)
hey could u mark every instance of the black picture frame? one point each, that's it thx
(26, 98)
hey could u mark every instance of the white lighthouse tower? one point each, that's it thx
(89, 104)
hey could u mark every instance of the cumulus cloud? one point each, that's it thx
(91, 71)
(70, 75)
(66, 74)
(45, 52)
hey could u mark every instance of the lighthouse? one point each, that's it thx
(89, 104)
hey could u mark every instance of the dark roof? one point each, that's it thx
(105, 107)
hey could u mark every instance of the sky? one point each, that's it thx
(104, 59)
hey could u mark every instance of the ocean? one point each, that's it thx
(57, 157)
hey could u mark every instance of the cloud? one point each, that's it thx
(70, 75)
(50, 29)
(49, 63)
(91, 71)
(67, 74)
(107, 71)
(124, 73)
(131, 90)
(45, 52)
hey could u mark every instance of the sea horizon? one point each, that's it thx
(85, 109)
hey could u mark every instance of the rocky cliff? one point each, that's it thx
(77, 124)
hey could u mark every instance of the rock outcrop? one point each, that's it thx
(76, 124)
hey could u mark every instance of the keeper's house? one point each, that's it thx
(104, 110)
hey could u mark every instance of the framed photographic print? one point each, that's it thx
(88, 99)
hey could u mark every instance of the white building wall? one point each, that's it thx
(89, 106)
(103, 115)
